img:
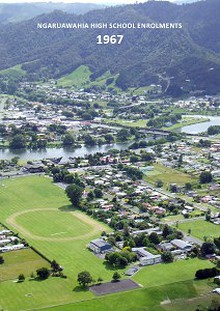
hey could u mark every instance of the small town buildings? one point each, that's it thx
(99, 246)
(180, 244)
(145, 257)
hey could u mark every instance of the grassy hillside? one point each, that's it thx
(81, 78)
(78, 78)
(14, 73)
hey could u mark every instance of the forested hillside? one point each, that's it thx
(181, 60)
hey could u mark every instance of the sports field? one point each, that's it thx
(41, 213)
(52, 225)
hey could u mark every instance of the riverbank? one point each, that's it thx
(65, 153)
(189, 120)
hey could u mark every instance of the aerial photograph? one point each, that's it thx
(110, 155)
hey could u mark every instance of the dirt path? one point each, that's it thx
(97, 227)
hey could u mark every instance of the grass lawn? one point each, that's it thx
(33, 295)
(23, 261)
(146, 299)
(193, 303)
(52, 223)
(167, 175)
(136, 123)
(181, 270)
(173, 218)
(201, 229)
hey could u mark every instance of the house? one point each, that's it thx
(146, 258)
(165, 247)
(180, 244)
(99, 246)
(147, 231)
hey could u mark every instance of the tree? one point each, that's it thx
(43, 273)
(154, 238)
(116, 276)
(207, 248)
(21, 278)
(84, 278)
(108, 138)
(99, 280)
(188, 186)
(167, 257)
(123, 135)
(17, 142)
(98, 193)
(74, 193)
(55, 266)
(206, 273)
(166, 231)
(159, 184)
(15, 160)
(205, 177)
(90, 196)
(68, 140)
(89, 140)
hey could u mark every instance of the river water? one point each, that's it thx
(26, 155)
(200, 127)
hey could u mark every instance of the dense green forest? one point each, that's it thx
(181, 60)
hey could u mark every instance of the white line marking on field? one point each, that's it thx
(58, 233)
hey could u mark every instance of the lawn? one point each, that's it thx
(33, 295)
(52, 223)
(167, 175)
(161, 274)
(23, 261)
(132, 123)
(146, 299)
(201, 229)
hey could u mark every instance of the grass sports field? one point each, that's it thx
(41, 213)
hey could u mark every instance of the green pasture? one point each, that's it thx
(167, 175)
(23, 261)
(161, 274)
(15, 72)
(79, 77)
(201, 229)
(155, 298)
